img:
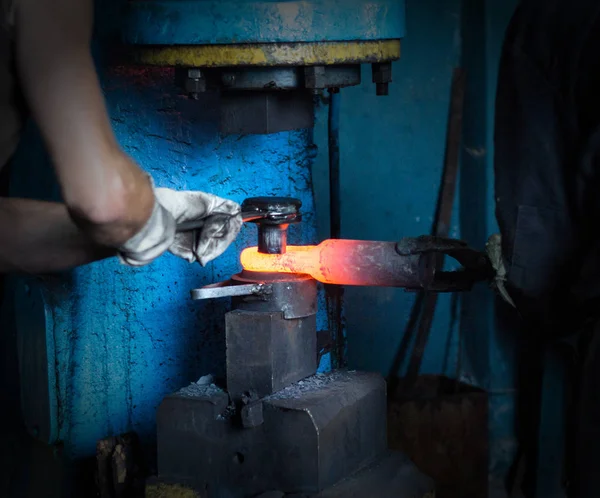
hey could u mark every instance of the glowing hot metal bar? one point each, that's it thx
(345, 262)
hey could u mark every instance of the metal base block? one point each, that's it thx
(392, 476)
(327, 427)
(314, 433)
(266, 352)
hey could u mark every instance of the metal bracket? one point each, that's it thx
(294, 297)
(230, 289)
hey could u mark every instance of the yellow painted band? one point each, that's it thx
(275, 54)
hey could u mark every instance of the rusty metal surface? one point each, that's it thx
(442, 427)
(267, 55)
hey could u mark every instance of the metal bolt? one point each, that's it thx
(228, 79)
(194, 83)
(382, 89)
(314, 77)
(382, 76)
(194, 73)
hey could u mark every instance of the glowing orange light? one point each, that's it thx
(297, 259)
(337, 261)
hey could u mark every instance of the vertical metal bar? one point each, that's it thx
(334, 164)
(334, 293)
(443, 215)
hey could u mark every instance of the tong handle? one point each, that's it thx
(247, 216)
(188, 226)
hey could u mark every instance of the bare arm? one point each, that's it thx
(43, 238)
(106, 194)
(109, 200)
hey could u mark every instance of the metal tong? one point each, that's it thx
(247, 216)
(476, 266)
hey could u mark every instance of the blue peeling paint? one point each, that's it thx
(197, 22)
(125, 338)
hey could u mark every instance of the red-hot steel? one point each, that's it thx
(343, 262)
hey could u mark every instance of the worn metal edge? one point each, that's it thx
(265, 55)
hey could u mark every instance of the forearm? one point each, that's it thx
(107, 194)
(40, 237)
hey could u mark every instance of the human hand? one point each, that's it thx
(220, 221)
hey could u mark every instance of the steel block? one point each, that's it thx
(264, 112)
(266, 352)
(202, 445)
(329, 426)
(391, 476)
(321, 77)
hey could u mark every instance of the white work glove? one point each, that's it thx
(494, 252)
(151, 241)
(222, 223)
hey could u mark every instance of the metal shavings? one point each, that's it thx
(195, 390)
(311, 384)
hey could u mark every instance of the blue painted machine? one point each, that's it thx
(267, 59)
(277, 426)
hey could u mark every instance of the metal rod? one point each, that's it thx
(334, 293)
(216, 292)
(272, 239)
(443, 215)
(334, 164)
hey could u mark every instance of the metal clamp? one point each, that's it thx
(476, 265)
(272, 229)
